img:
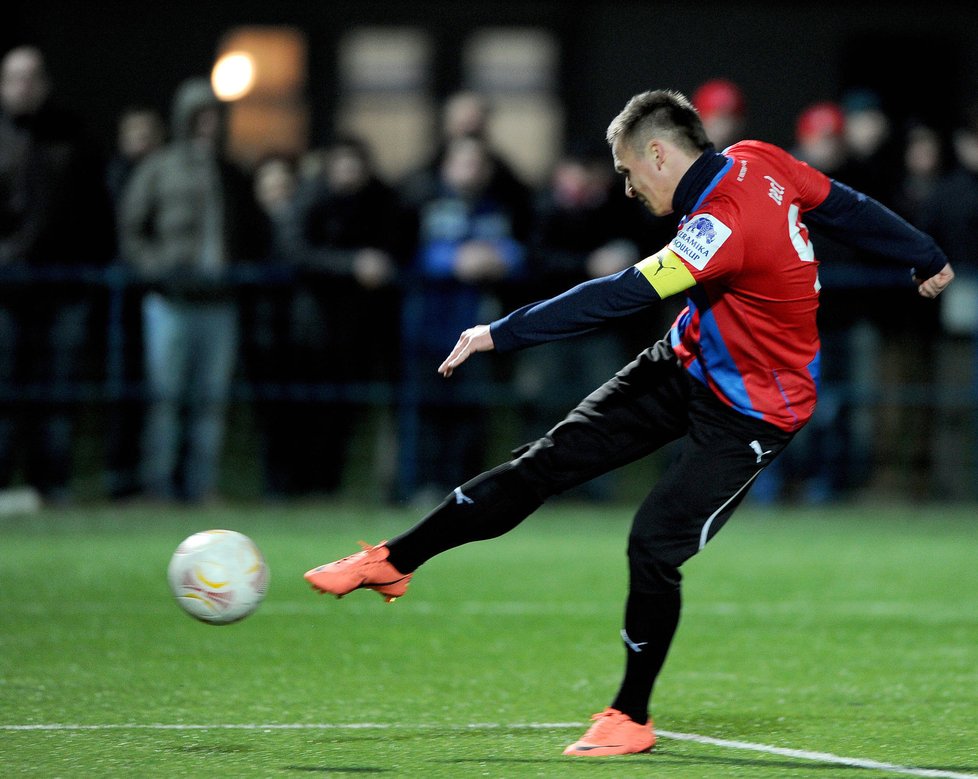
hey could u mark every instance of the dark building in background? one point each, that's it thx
(785, 56)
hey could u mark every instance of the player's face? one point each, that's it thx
(643, 177)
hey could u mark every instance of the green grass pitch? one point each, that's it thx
(848, 631)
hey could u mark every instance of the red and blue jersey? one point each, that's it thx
(743, 258)
(749, 329)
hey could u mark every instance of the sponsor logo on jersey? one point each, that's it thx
(776, 192)
(699, 240)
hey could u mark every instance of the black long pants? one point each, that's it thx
(649, 403)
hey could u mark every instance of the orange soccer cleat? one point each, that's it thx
(367, 569)
(613, 733)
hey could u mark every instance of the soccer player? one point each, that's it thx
(735, 377)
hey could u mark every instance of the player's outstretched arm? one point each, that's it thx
(578, 310)
(475, 339)
(936, 284)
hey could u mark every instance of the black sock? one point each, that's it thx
(650, 624)
(489, 505)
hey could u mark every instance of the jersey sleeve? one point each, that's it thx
(813, 185)
(579, 310)
(859, 221)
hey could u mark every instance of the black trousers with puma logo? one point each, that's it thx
(648, 404)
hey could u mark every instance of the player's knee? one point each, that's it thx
(555, 463)
(533, 469)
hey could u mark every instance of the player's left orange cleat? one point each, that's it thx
(368, 569)
(613, 733)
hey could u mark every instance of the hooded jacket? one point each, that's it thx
(186, 213)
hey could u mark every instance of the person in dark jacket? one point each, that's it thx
(351, 240)
(140, 132)
(55, 223)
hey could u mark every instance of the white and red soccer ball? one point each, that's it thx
(218, 576)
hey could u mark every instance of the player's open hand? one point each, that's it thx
(475, 339)
(934, 286)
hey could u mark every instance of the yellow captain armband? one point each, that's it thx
(666, 273)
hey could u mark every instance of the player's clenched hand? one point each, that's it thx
(934, 286)
(475, 339)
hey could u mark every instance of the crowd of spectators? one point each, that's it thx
(319, 291)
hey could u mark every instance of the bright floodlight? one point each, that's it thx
(233, 75)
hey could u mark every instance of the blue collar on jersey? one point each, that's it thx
(699, 181)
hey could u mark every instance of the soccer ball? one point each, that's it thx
(218, 576)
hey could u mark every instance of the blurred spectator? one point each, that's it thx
(311, 165)
(468, 245)
(906, 443)
(55, 218)
(351, 241)
(873, 150)
(951, 213)
(924, 163)
(266, 307)
(275, 183)
(466, 114)
(579, 230)
(723, 109)
(874, 166)
(827, 457)
(820, 137)
(952, 210)
(140, 132)
(854, 436)
(186, 215)
(582, 230)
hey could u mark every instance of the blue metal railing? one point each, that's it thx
(404, 394)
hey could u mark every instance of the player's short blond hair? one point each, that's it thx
(660, 113)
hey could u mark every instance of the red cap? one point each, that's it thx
(719, 96)
(819, 120)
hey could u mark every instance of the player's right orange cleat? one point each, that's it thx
(367, 569)
(613, 733)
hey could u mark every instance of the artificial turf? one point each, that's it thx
(846, 630)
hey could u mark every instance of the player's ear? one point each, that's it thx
(655, 152)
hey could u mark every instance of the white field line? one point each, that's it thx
(797, 754)
(819, 757)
